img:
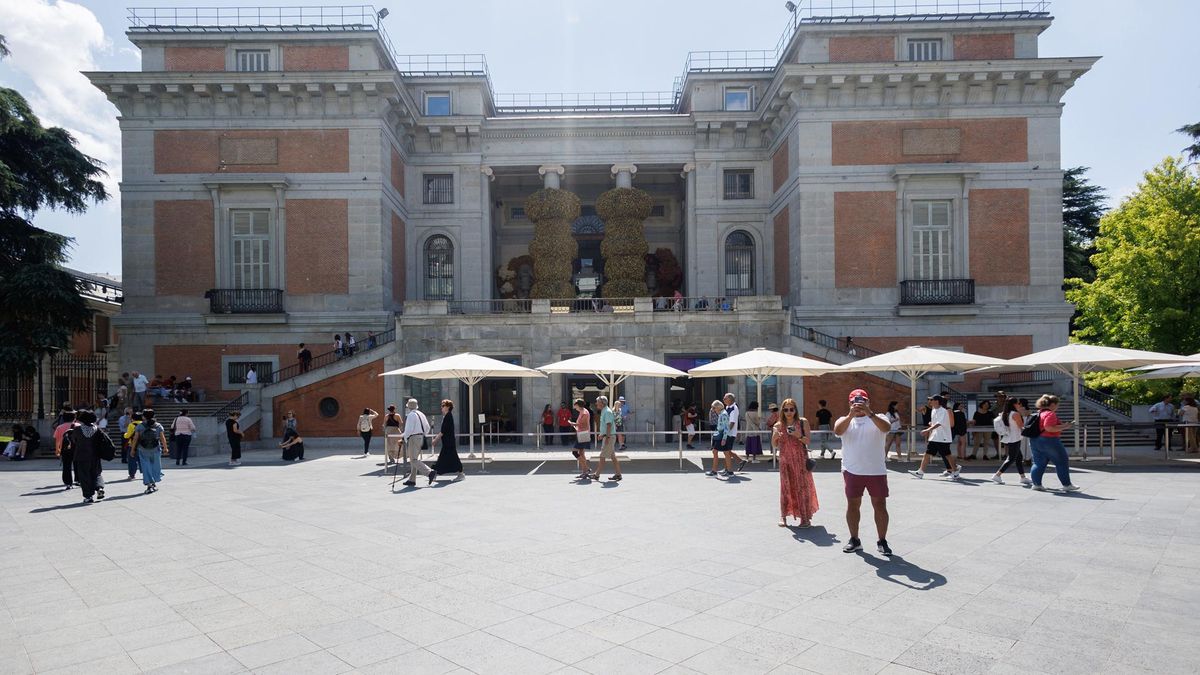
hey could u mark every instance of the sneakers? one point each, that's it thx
(410, 483)
(88, 500)
(997, 479)
(945, 474)
(955, 476)
(710, 473)
(99, 493)
(726, 474)
(853, 545)
(1039, 488)
(917, 473)
(883, 548)
(1070, 488)
(593, 476)
(1025, 481)
(616, 478)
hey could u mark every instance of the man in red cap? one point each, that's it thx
(864, 467)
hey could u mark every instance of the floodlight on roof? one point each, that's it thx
(382, 14)
(791, 6)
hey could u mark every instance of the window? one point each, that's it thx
(251, 248)
(516, 213)
(235, 371)
(439, 268)
(439, 188)
(924, 50)
(437, 103)
(587, 210)
(739, 184)
(658, 211)
(253, 60)
(739, 264)
(932, 252)
(737, 98)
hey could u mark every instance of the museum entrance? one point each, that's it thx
(686, 391)
(498, 400)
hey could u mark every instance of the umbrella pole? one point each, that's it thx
(912, 415)
(1075, 392)
(758, 381)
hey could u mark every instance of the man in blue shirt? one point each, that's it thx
(608, 439)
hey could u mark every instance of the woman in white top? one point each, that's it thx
(1189, 413)
(894, 436)
(1010, 440)
(366, 427)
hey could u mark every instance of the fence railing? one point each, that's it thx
(442, 64)
(1108, 401)
(361, 16)
(494, 306)
(245, 300)
(1027, 377)
(846, 345)
(937, 292)
(236, 404)
(607, 101)
(332, 356)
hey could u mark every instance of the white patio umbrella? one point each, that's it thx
(469, 369)
(1169, 371)
(913, 363)
(1075, 359)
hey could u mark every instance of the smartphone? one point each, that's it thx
(791, 430)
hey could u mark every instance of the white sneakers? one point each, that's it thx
(1070, 488)
(997, 479)
(1025, 481)
(917, 473)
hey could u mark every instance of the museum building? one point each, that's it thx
(875, 181)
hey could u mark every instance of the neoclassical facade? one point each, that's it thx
(894, 179)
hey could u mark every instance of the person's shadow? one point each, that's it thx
(899, 571)
(816, 534)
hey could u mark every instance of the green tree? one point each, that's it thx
(40, 167)
(1192, 151)
(1083, 205)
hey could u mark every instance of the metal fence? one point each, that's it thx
(846, 345)
(245, 300)
(937, 292)
(608, 101)
(332, 356)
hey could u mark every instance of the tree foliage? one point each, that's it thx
(1083, 205)
(1146, 294)
(40, 167)
(1192, 151)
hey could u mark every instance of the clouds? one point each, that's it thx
(51, 43)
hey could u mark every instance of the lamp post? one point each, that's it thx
(41, 387)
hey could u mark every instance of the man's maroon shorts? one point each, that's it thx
(876, 486)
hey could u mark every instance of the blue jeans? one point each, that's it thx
(150, 459)
(132, 463)
(1049, 451)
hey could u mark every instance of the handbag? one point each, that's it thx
(583, 436)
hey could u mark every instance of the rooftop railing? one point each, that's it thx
(583, 102)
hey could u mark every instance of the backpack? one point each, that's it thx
(1000, 426)
(1033, 426)
(148, 436)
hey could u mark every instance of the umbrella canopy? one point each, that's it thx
(759, 364)
(469, 369)
(1170, 371)
(612, 367)
(1075, 359)
(913, 362)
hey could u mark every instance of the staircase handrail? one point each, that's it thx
(1107, 401)
(236, 404)
(830, 342)
(332, 356)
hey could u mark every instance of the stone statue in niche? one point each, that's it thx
(524, 280)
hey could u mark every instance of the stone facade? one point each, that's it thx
(385, 188)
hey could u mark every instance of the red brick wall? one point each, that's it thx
(861, 49)
(983, 140)
(299, 151)
(322, 57)
(864, 239)
(979, 47)
(781, 164)
(203, 363)
(397, 172)
(195, 59)
(318, 256)
(183, 240)
(783, 267)
(82, 344)
(398, 266)
(354, 390)
(999, 221)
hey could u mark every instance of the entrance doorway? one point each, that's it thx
(499, 401)
(685, 391)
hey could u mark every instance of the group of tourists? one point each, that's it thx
(406, 437)
(1187, 415)
(82, 444)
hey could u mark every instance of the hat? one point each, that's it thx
(773, 406)
(937, 398)
(620, 398)
(189, 377)
(859, 393)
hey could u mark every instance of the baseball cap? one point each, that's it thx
(620, 398)
(859, 393)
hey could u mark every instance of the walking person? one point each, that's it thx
(1048, 446)
(566, 435)
(140, 383)
(825, 423)
(958, 430)
(128, 456)
(1008, 425)
(233, 433)
(416, 428)
(753, 438)
(894, 437)
(735, 418)
(182, 430)
(90, 446)
(583, 438)
(338, 349)
(547, 425)
(691, 419)
(149, 445)
(1162, 413)
(62, 445)
(623, 413)
(720, 431)
(607, 431)
(351, 344)
(864, 468)
(448, 460)
(366, 427)
(938, 438)
(983, 417)
(797, 491)
(393, 428)
(304, 358)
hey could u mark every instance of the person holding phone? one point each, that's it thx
(797, 491)
(1048, 446)
(864, 467)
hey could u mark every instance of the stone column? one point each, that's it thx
(553, 249)
(689, 226)
(487, 234)
(623, 209)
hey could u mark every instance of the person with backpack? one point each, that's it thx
(90, 445)
(62, 445)
(366, 427)
(1008, 425)
(1044, 430)
(149, 446)
(132, 420)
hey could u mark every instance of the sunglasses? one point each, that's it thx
(789, 410)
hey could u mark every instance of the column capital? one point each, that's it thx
(487, 171)
(551, 175)
(688, 167)
(623, 173)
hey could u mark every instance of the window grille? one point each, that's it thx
(516, 213)
(439, 268)
(253, 60)
(251, 248)
(439, 188)
(739, 184)
(932, 255)
(924, 50)
(236, 371)
(739, 264)
(658, 211)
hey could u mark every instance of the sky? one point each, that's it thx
(1119, 119)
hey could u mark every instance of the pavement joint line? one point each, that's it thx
(535, 469)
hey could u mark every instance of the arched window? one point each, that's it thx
(739, 264)
(439, 268)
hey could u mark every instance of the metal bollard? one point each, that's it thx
(1085, 443)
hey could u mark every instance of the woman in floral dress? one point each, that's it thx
(797, 491)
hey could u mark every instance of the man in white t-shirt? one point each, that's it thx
(864, 467)
(139, 390)
(938, 439)
(735, 414)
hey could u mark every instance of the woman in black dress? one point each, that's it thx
(448, 461)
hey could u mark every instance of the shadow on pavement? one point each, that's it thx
(816, 534)
(899, 571)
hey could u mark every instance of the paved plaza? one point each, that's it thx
(318, 567)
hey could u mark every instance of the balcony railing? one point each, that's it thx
(845, 345)
(937, 292)
(245, 300)
(363, 344)
(1108, 401)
